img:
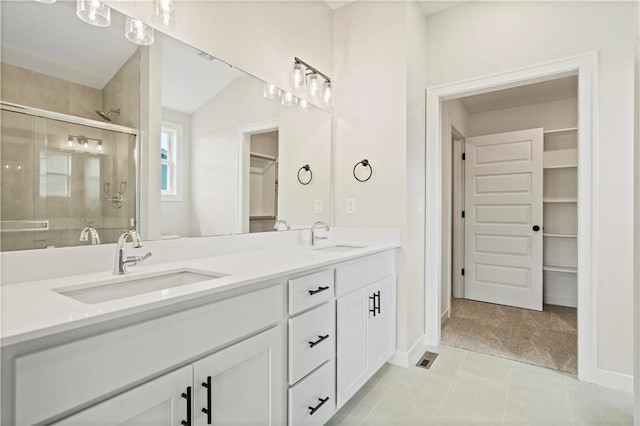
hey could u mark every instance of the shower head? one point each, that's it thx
(105, 115)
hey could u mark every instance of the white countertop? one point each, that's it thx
(34, 310)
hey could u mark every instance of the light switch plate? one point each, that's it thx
(317, 206)
(351, 206)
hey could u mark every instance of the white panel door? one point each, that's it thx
(503, 220)
(242, 384)
(160, 402)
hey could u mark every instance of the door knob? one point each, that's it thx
(536, 228)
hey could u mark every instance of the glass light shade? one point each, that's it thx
(303, 104)
(93, 12)
(270, 91)
(327, 93)
(288, 99)
(314, 84)
(137, 32)
(70, 142)
(298, 77)
(99, 147)
(164, 14)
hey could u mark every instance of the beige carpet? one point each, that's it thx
(548, 338)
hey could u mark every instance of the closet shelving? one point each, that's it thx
(560, 201)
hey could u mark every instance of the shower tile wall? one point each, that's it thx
(123, 92)
(26, 87)
(93, 177)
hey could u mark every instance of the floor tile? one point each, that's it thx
(487, 366)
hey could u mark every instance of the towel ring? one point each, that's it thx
(306, 168)
(365, 163)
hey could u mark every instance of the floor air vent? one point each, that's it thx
(427, 360)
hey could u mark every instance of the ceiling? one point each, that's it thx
(428, 7)
(547, 91)
(50, 39)
(188, 80)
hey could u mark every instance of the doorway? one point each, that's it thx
(437, 230)
(263, 181)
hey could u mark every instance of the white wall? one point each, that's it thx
(637, 221)
(258, 37)
(215, 153)
(176, 214)
(477, 38)
(380, 68)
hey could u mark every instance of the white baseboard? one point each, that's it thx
(611, 379)
(445, 316)
(550, 299)
(409, 358)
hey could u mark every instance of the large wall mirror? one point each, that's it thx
(78, 102)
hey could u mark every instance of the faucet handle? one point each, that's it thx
(145, 257)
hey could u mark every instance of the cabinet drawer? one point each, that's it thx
(311, 340)
(87, 369)
(310, 290)
(363, 272)
(311, 392)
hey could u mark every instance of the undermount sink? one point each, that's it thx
(336, 249)
(121, 287)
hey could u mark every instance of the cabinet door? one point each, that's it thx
(243, 384)
(352, 329)
(382, 325)
(158, 402)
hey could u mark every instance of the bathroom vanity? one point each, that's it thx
(265, 337)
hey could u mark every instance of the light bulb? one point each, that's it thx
(297, 76)
(288, 99)
(137, 32)
(313, 84)
(270, 91)
(164, 13)
(93, 12)
(327, 93)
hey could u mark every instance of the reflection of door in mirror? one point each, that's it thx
(263, 181)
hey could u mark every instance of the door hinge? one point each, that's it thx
(462, 271)
(463, 214)
(464, 156)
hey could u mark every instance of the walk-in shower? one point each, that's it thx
(62, 174)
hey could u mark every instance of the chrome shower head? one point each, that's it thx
(105, 115)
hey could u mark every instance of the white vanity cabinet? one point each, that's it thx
(163, 401)
(242, 384)
(365, 321)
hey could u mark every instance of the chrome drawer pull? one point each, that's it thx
(320, 289)
(320, 339)
(317, 407)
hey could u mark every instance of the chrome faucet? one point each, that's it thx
(122, 262)
(315, 239)
(84, 235)
(276, 226)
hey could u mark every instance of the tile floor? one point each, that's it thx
(548, 338)
(470, 388)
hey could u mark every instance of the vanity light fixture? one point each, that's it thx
(318, 84)
(94, 12)
(288, 99)
(164, 14)
(138, 32)
(271, 91)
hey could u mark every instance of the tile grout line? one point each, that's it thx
(466, 352)
(566, 388)
(506, 395)
(380, 400)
